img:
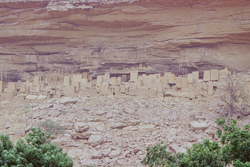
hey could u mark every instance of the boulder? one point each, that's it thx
(95, 140)
(97, 154)
(199, 126)
(26, 130)
(166, 112)
(170, 93)
(172, 117)
(84, 135)
(7, 126)
(45, 106)
(101, 112)
(109, 115)
(192, 139)
(211, 131)
(245, 112)
(31, 97)
(129, 110)
(121, 162)
(67, 125)
(107, 151)
(81, 127)
(67, 100)
(177, 149)
(199, 117)
(41, 97)
(118, 125)
(115, 153)
(86, 162)
(75, 153)
(146, 128)
(107, 160)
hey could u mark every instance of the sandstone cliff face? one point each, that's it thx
(96, 35)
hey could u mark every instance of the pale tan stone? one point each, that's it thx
(90, 78)
(36, 80)
(10, 95)
(223, 72)
(41, 84)
(192, 94)
(38, 88)
(122, 88)
(99, 79)
(76, 78)
(160, 94)
(28, 89)
(124, 78)
(70, 91)
(105, 88)
(160, 88)
(85, 75)
(210, 90)
(152, 76)
(133, 90)
(214, 75)
(11, 87)
(1, 86)
(134, 76)
(178, 82)
(66, 81)
(167, 74)
(89, 86)
(119, 80)
(184, 83)
(190, 78)
(196, 76)
(113, 81)
(77, 86)
(138, 83)
(51, 79)
(207, 75)
(171, 78)
(117, 90)
(140, 66)
(157, 81)
(107, 75)
(22, 88)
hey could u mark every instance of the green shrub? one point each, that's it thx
(234, 149)
(158, 156)
(236, 141)
(204, 154)
(51, 128)
(25, 106)
(32, 153)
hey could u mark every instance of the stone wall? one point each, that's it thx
(62, 84)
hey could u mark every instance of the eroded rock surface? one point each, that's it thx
(96, 36)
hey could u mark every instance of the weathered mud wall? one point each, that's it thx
(89, 35)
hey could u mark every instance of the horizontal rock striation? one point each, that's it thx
(100, 35)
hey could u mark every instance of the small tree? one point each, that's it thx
(203, 154)
(233, 92)
(51, 128)
(32, 153)
(158, 156)
(236, 141)
(234, 149)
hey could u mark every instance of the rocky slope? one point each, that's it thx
(115, 131)
(89, 35)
